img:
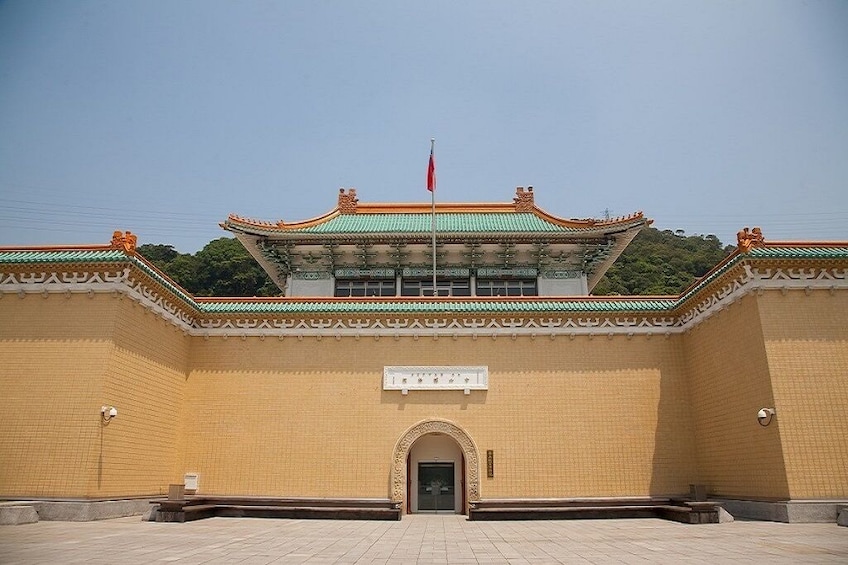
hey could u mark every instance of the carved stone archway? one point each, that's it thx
(404, 444)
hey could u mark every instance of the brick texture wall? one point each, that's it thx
(565, 417)
(146, 381)
(54, 356)
(568, 417)
(806, 341)
(61, 358)
(729, 382)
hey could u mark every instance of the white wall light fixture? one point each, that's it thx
(107, 413)
(764, 416)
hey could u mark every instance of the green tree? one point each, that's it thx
(180, 267)
(183, 269)
(222, 268)
(661, 262)
(157, 253)
(225, 268)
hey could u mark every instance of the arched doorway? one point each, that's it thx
(435, 475)
(469, 467)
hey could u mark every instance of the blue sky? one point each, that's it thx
(162, 117)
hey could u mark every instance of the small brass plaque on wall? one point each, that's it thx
(490, 463)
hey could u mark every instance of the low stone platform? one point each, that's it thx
(684, 511)
(200, 507)
(788, 511)
(14, 512)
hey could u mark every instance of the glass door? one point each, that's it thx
(436, 491)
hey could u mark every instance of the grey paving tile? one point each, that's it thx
(420, 540)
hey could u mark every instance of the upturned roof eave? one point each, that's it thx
(590, 232)
(251, 226)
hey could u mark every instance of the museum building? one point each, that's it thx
(512, 383)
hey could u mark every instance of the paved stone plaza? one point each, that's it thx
(420, 539)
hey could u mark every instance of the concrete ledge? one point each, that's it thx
(790, 511)
(79, 510)
(15, 515)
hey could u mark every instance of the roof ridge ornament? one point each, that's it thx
(748, 238)
(255, 222)
(524, 199)
(125, 241)
(347, 201)
(618, 219)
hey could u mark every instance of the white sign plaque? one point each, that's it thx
(466, 379)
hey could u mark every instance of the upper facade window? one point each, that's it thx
(444, 287)
(345, 288)
(509, 287)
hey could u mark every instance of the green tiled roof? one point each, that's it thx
(446, 222)
(482, 306)
(799, 252)
(63, 256)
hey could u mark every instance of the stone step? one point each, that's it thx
(702, 514)
(197, 508)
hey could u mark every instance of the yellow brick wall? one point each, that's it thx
(581, 417)
(54, 353)
(806, 340)
(146, 381)
(729, 382)
(61, 358)
(569, 417)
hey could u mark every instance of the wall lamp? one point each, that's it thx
(107, 413)
(764, 416)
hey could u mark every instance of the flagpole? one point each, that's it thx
(433, 215)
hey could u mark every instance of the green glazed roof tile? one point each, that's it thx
(62, 256)
(482, 306)
(800, 252)
(446, 222)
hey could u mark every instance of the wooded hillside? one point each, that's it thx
(657, 262)
(661, 262)
(222, 268)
